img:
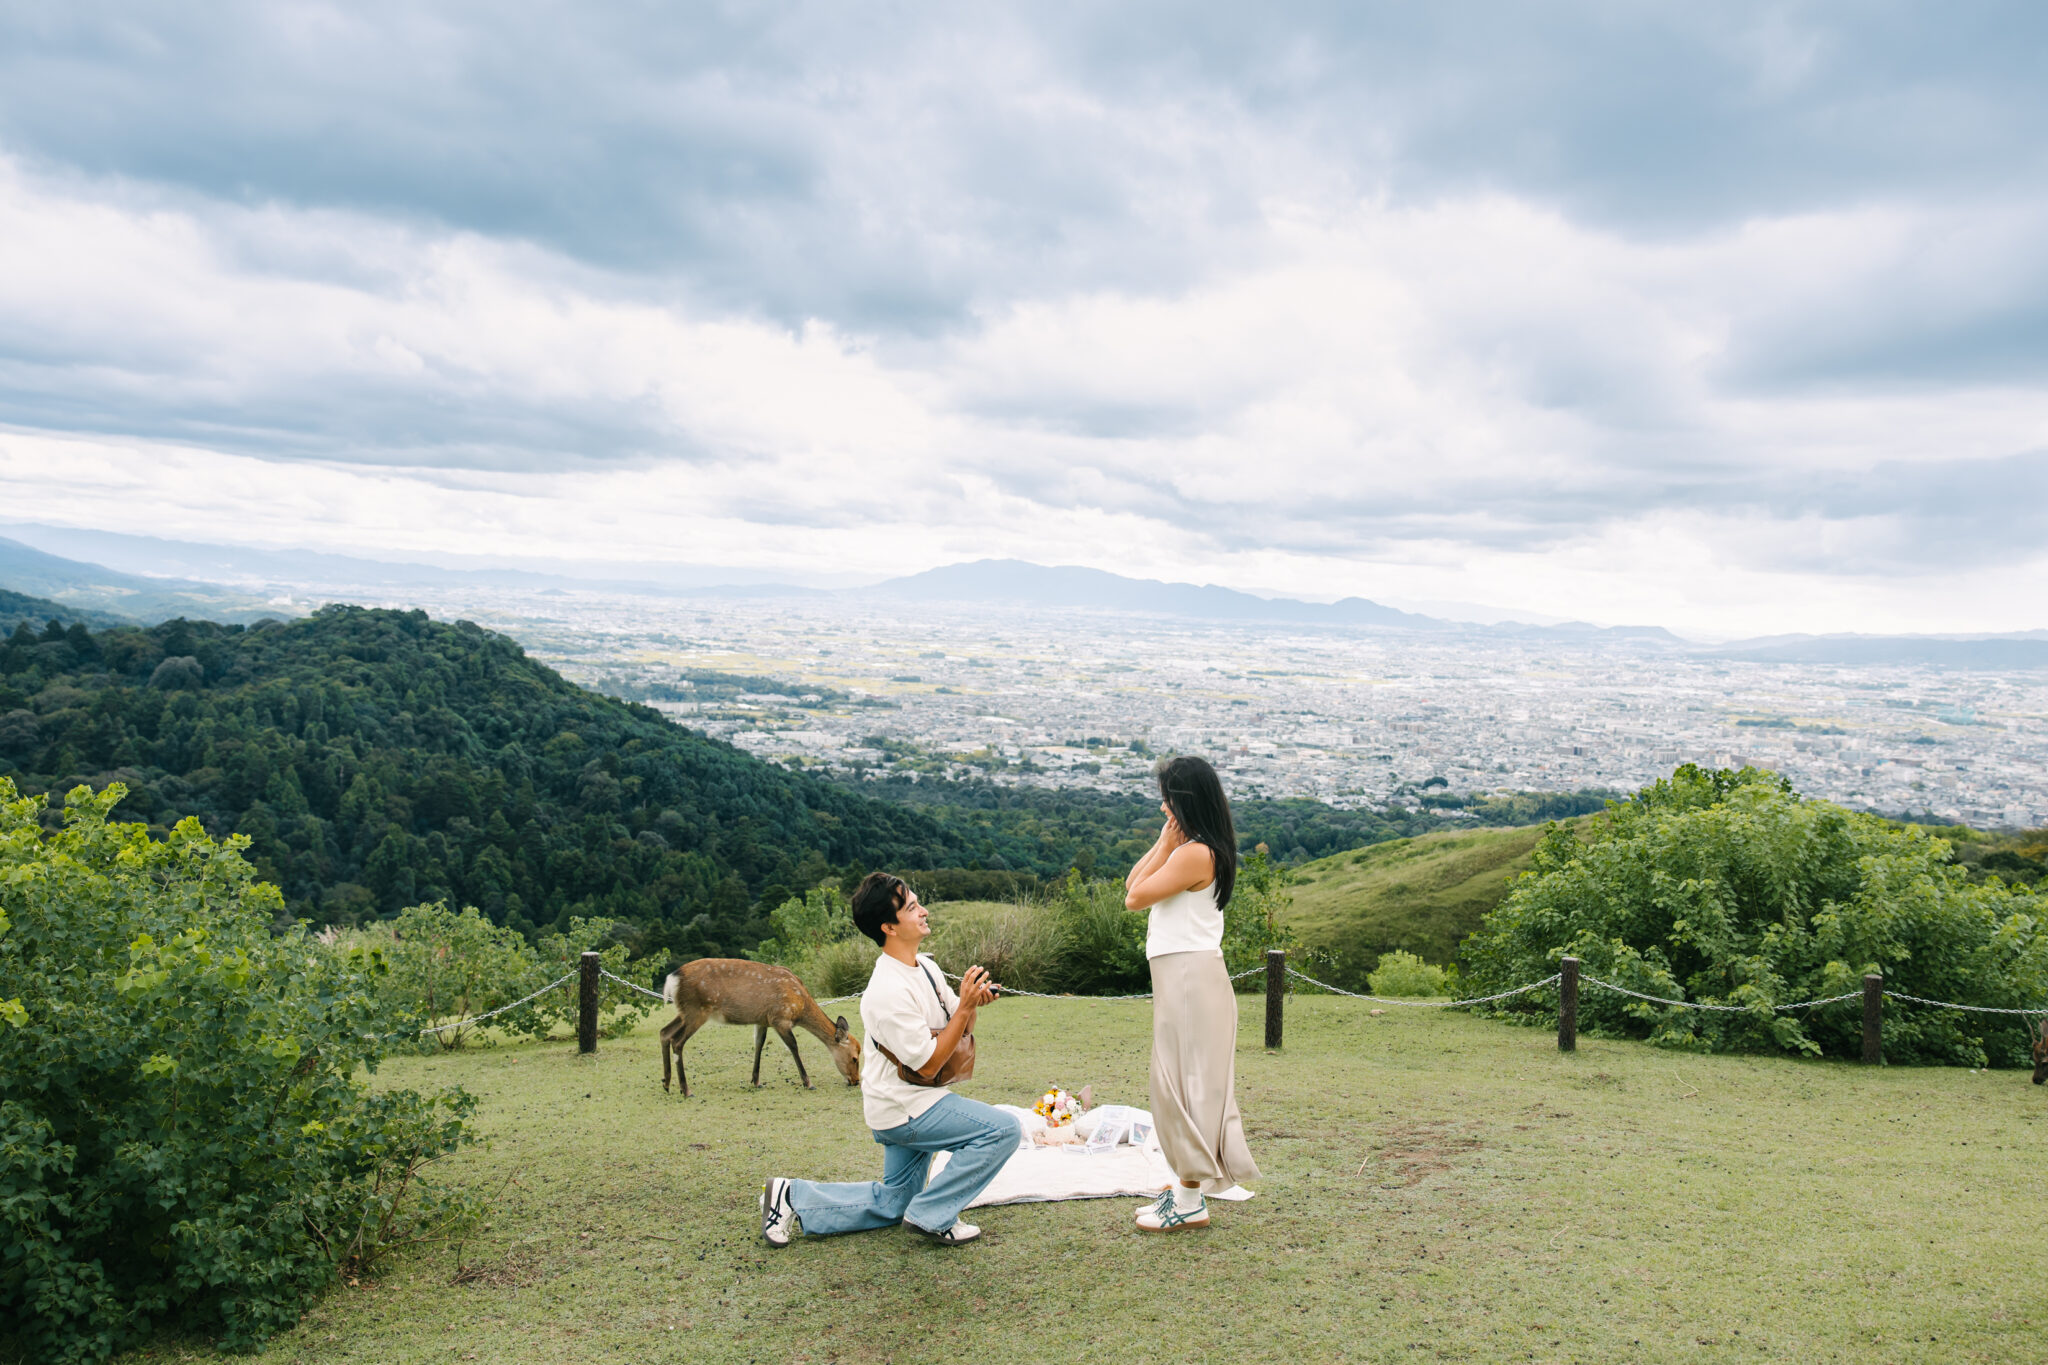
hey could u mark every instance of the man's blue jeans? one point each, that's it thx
(980, 1139)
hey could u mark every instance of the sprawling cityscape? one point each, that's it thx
(1086, 699)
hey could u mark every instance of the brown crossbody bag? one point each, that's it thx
(958, 1067)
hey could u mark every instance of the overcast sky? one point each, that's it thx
(1730, 317)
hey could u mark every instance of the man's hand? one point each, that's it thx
(975, 988)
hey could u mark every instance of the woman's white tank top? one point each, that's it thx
(1185, 922)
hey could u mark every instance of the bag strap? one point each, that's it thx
(937, 992)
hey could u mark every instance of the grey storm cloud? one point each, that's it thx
(894, 168)
(404, 188)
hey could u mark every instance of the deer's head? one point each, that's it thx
(846, 1051)
(2041, 1055)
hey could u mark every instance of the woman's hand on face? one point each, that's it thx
(1172, 836)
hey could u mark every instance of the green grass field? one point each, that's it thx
(1436, 1188)
(1423, 895)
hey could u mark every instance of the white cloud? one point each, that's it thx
(826, 300)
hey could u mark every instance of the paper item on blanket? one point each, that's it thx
(1118, 1119)
(1236, 1194)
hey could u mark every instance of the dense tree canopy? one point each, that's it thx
(379, 759)
(1728, 888)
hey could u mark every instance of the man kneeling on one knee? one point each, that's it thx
(909, 1010)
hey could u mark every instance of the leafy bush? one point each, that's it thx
(451, 965)
(1728, 888)
(1102, 945)
(186, 1137)
(1404, 974)
(1020, 943)
(620, 1007)
(1251, 922)
(804, 924)
(840, 968)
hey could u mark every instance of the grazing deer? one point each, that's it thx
(735, 991)
(2041, 1055)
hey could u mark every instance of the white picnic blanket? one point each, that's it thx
(1035, 1174)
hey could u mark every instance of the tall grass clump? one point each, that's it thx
(1078, 940)
(1102, 945)
(1729, 888)
(1021, 944)
(838, 968)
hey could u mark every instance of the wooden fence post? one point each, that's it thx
(586, 1006)
(1276, 993)
(1873, 1020)
(1568, 1005)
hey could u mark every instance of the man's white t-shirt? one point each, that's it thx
(899, 1010)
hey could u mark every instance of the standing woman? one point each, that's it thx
(1185, 881)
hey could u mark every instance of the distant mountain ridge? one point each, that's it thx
(2025, 649)
(37, 612)
(83, 587)
(229, 583)
(1071, 586)
(1018, 580)
(246, 569)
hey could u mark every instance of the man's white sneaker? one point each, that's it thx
(1164, 1217)
(778, 1215)
(957, 1235)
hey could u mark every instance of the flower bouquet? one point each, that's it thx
(1059, 1110)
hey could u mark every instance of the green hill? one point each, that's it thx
(1423, 895)
(95, 591)
(17, 607)
(379, 759)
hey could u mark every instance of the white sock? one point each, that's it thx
(1185, 1200)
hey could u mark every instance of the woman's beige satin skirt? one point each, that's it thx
(1194, 1071)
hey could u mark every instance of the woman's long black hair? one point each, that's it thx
(1193, 792)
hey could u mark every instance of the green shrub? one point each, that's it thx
(804, 924)
(1728, 888)
(186, 1135)
(1102, 945)
(1020, 944)
(1404, 974)
(840, 968)
(448, 965)
(621, 1008)
(1251, 922)
(451, 965)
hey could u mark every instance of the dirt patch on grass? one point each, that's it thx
(1407, 1152)
(518, 1268)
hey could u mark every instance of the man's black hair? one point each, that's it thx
(875, 903)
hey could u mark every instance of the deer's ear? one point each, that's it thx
(841, 1021)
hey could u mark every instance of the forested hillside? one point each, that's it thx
(379, 759)
(18, 608)
(1103, 832)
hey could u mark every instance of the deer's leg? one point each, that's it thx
(790, 1038)
(668, 1043)
(760, 1041)
(688, 1026)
